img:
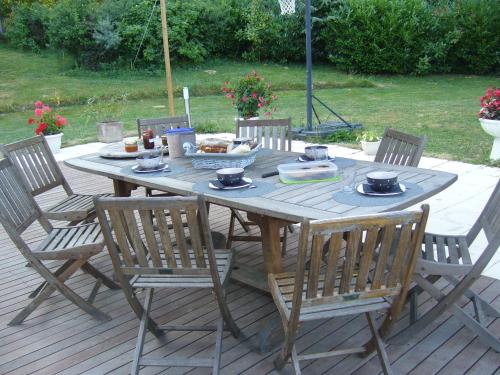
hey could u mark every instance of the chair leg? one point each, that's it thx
(226, 314)
(142, 332)
(413, 297)
(57, 273)
(218, 346)
(379, 345)
(230, 232)
(421, 324)
(91, 270)
(280, 362)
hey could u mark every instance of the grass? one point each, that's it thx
(441, 107)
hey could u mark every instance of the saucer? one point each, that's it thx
(366, 189)
(304, 158)
(158, 168)
(217, 185)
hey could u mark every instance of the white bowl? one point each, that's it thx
(148, 161)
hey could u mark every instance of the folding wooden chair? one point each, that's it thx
(171, 257)
(360, 278)
(447, 256)
(75, 245)
(40, 172)
(398, 148)
(160, 125)
(274, 134)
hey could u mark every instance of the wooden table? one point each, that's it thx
(286, 204)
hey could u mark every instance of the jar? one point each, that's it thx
(177, 138)
(164, 140)
(131, 146)
(148, 141)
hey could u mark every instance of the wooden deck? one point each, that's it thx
(60, 338)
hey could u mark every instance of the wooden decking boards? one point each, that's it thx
(59, 338)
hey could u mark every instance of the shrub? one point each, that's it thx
(26, 27)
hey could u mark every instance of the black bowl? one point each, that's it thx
(230, 176)
(382, 181)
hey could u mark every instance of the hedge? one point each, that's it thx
(366, 36)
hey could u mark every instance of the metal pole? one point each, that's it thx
(185, 94)
(309, 65)
(166, 54)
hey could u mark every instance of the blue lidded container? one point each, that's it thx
(176, 138)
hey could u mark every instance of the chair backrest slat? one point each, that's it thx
(333, 255)
(378, 259)
(18, 209)
(275, 134)
(160, 125)
(36, 164)
(147, 235)
(398, 148)
(489, 219)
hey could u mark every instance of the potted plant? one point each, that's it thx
(250, 96)
(489, 117)
(107, 113)
(49, 124)
(370, 142)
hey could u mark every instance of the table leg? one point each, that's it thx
(271, 250)
(123, 188)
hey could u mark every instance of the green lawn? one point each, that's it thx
(442, 107)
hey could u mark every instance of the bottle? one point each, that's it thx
(147, 140)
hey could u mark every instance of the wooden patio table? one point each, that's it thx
(286, 204)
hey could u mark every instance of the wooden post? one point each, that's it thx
(166, 54)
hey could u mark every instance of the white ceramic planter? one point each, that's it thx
(492, 127)
(370, 148)
(54, 142)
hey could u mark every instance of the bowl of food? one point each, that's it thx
(316, 152)
(382, 181)
(148, 161)
(230, 176)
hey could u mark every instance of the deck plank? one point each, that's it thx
(60, 338)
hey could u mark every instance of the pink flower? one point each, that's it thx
(62, 120)
(46, 108)
(254, 95)
(244, 99)
(261, 99)
(38, 104)
(228, 95)
(38, 112)
(267, 114)
(260, 105)
(497, 93)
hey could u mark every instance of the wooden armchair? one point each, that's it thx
(358, 279)
(74, 244)
(40, 173)
(148, 258)
(447, 256)
(159, 126)
(398, 148)
(273, 134)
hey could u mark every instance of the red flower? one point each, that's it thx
(260, 105)
(254, 95)
(41, 128)
(31, 121)
(38, 104)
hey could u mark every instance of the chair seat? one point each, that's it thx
(223, 259)
(284, 285)
(75, 207)
(71, 243)
(444, 254)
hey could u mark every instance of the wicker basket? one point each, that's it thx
(217, 161)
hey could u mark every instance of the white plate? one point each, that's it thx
(160, 167)
(360, 190)
(247, 180)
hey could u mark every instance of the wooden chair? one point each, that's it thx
(75, 245)
(40, 172)
(360, 278)
(161, 125)
(447, 256)
(273, 134)
(398, 148)
(166, 258)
